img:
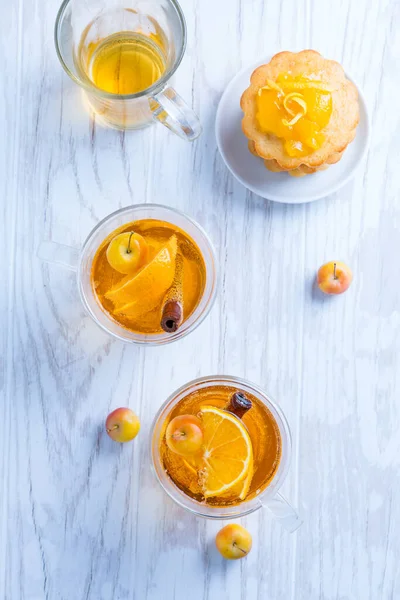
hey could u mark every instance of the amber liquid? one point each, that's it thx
(121, 64)
(125, 63)
(264, 434)
(156, 233)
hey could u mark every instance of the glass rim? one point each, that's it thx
(155, 88)
(243, 508)
(148, 339)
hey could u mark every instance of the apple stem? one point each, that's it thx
(238, 547)
(129, 243)
(112, 428)
(334, 271)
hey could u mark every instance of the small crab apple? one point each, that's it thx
(122, 425)
(233, 541)
(127, 252)
(184, 435)
(334, 277)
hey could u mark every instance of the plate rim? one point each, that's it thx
(282, 198)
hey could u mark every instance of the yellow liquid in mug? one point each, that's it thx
(125, 63)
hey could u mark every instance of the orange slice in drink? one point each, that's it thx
(134, 296)
(246, 483)
(237, 492)
(228, 452)
(241, 489)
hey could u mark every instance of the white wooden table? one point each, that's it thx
(83, 518)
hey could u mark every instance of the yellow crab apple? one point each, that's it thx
(184, 435)
(233, 541)
(127, 252)
(334, 277)
(122, 425)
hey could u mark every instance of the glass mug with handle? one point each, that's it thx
(129, 301)
(221, 449)
(123, 54)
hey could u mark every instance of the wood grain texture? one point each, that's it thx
(82, 518)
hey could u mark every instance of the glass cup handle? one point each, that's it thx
(170, 110)
(283, 512)
(58, 254)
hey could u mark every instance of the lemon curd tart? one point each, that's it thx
(300, 112)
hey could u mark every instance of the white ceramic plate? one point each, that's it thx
(280, 187)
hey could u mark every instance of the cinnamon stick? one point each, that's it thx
(238, 404)
(172, 306)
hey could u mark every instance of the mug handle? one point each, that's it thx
(283, 512)
(172, 111)
(58, 254)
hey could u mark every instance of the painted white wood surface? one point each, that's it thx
(82, 518)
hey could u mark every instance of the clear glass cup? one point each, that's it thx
(81, 23)
(80, 261)
(269, 498)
